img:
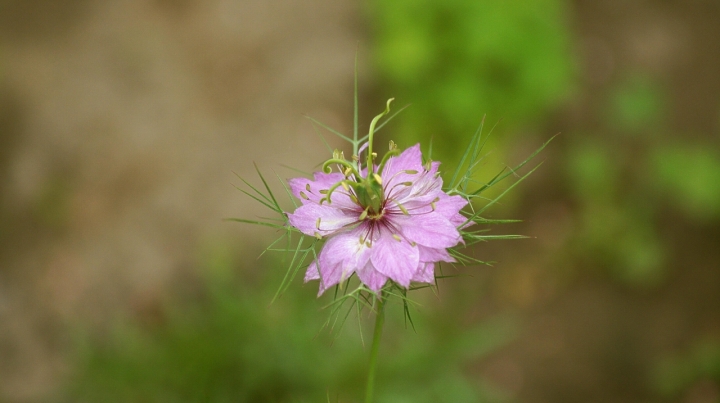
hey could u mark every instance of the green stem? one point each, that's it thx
(379, 321)
(370, 166)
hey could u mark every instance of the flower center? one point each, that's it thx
(370, 195)
(377, 216)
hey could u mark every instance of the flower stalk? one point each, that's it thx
(377, 333)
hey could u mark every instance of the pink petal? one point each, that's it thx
(410, 159)
(450, 206)
(434, 255)
(339, 257)
(425, 188)
(395, 259)
(394, 173)
(373, 279)
(425, 273)
(430, 229)
(322, 181)
(309, 191)
(305, 218)
(312, 272)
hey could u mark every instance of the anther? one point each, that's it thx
(317, 235)
(377, 178)
(397, 237)
(324, 191)
(392, 145)
(402, 208)
(307, 187)
(317, 223)
(364, 214)
(304, 196)
(411, 171)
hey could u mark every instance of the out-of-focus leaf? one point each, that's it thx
(689, 176)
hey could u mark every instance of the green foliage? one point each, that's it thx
(675, 374)
(689, 176)
(458, 60)
(229, 347)
(623, 178)
(637, 104)
(615, 222)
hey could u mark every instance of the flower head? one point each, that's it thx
(383, 222)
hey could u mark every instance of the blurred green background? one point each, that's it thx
(122, 124)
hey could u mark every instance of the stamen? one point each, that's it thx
(345, 186)
(377, 178)
(402, 208)
(364, 214)
(317, 235)
(303, 195)
(397, 237)
(307, 187)
(343, 278)
(392, 145)
(411, 172)
(324, 191)
(317, 223)
(407, 183)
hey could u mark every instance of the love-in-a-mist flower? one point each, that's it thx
(391, 221)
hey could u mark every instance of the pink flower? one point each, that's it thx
(393, 225)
